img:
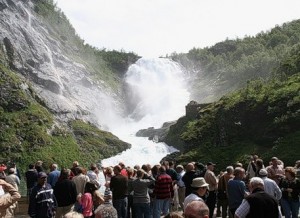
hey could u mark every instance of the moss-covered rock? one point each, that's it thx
(29, 132)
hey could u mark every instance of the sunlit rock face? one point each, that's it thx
(32, 49)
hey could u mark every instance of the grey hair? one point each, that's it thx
(229, 169)
(256, 181)
(73, 214)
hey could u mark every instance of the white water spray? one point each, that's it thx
(157, 94)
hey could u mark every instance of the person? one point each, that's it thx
(106, 210)
(42, 202)
(222, 190)
(275, 171)
(163, 192)
(123, 169)
(53, 175)
(173, 215)
(92, 175)
(141, 199)
(199, 191)
(80, 180)
(87, 199)
(297, 168)
(31, 176)
(181, 187)
(258, 204)
(196, 209)
(290, 187)
(73, 214)
(270, 185)
(130, 207)
(8, 197)
(119, 188)
(13, 179)
(65, 193)
(252, 167)
(188, 178)
(211, 179)
(236, 190)
(74, 167)
(39, 166)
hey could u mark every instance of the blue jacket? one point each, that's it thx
(42, 202)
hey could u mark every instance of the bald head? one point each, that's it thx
(196, 209)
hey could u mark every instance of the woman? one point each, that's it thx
(87, 200)
(290, 187)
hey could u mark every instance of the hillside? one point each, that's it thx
(228, 65)
(29, 132)
(51, 81)
(262, 118)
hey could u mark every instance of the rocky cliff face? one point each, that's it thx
(47, 60)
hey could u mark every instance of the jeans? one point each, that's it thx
(121, 207)
(142, 210)
(290, 208)
(211, 202)
(161, 205)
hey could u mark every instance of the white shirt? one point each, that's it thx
(272, 188)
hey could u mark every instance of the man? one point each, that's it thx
(80, 180)
(8, 197)
(211, 179)
(13, 179)
(31, 176)
(53, 175)
(106, 209)
(141, 198)
(251, 169)
(92, 175)
(65, 193)
(42, 202)
(188, 178)
(119, 188)
(163, 192)
(181, 187)
(200, 189)
(196, 209)
(236, 190)
(270, 185)
(222, 190)
(275, 171)
(258, 204)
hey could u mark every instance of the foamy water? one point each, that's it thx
(157, 93)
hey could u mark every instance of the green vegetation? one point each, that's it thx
(28, 131)
(228, 65)
(263, 118)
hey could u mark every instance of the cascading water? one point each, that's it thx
(156, 93)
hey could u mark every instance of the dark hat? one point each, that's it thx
(210, 163)
(42, 175)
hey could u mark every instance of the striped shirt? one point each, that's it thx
(163, 187)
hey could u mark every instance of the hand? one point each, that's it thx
(289, 190)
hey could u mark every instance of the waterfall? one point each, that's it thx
(156, 93)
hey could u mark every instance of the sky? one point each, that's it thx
(153, 28)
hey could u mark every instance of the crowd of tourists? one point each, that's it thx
(163, 190)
